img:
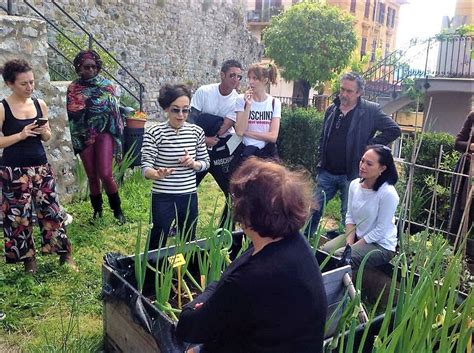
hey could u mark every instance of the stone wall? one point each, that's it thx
(25, 38)
(159, 41)
(163, 41)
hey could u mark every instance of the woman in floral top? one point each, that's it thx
(96, 129)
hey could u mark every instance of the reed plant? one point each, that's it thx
(424, 312)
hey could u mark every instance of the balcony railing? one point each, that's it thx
(263, 16)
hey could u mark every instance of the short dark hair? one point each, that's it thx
(87, 54)
(14, 67)
(269, 198)
(226, 65)
(169, 93)
(390, 174)
(354, 76)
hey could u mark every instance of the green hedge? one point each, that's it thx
(298, 139)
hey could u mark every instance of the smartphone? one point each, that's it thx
(41, 122)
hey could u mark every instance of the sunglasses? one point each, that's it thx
(182, 110)
(88, 67)
(234, 75)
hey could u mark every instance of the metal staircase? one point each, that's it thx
(61, 62)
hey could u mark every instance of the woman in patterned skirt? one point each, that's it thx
(25, 175)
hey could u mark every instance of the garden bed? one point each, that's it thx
(133, 323)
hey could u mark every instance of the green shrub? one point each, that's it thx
(424, 182)
(298, 139)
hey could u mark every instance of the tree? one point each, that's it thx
(311, 43)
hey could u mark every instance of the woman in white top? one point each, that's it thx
(372, 203)
(258, 113)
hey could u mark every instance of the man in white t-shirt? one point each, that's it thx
(219, 99)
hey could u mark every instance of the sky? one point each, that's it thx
(422, 18)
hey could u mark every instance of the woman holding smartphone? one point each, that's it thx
(25, 174)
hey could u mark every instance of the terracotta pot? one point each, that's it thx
(135, 123)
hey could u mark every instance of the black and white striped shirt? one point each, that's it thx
(164, 145)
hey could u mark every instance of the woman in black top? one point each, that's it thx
(272, 298)
(26, 177)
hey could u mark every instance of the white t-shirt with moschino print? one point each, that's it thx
(260, 117)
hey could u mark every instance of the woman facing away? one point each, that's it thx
(271, 298)
(172, 152)
(26, 177)
(96, 129)
(258, 113)
(372, 203)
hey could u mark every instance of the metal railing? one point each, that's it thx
(8, 8)
(263, 15)
(447, 57)
(137, 94)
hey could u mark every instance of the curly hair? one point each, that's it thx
(169, 93)
(84, 55)
(14, 67)
(269, 198)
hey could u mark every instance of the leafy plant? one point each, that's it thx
(312, 42)
(304, 126)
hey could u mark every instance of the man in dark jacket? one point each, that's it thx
(350, 124)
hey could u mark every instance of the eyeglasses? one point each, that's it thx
(182, 110)
(88, 67)
(234, 75)
(339, 120)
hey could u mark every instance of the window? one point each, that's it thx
(392, 22)
(374, 11)
(363, 47)
(353, 6)
(372, 54)
(381, 17)
(367, 9)
(389, 16)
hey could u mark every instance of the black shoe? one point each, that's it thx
(96, 202)
(114, 201)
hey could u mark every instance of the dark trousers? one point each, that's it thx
(97, 160)
(221, 171)
(166, 208)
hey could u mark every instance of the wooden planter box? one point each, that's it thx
(133, 324)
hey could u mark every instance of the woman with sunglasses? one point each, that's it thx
(258, 113)
(371, 207)
(96, 129)
(172, 152)
(26, 178)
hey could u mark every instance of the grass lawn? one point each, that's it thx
(58, 310)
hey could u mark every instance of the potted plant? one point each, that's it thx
(137, 120)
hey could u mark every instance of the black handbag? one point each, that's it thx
(210, 123)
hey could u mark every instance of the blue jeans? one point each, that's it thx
(166, 208)
(327, 185)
